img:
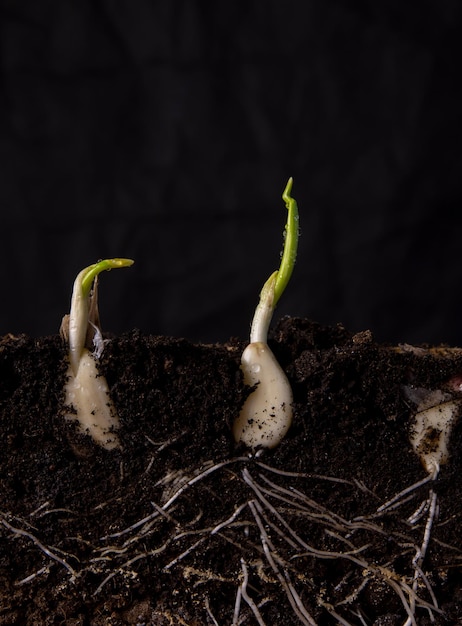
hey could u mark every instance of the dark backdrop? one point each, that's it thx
(166, 130)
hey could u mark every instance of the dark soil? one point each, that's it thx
(182, 526)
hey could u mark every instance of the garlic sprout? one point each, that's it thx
(87, 392)
(266, 414)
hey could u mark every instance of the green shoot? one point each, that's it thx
(267, 412)
(92, 271)
(289, 253)
(276, 284)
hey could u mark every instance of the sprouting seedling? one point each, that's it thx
(86, 389)
(266, 414)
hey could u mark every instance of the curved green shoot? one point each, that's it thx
(92, 271)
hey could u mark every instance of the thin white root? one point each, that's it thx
(419, 557)
(209, 612)
(398, 499)
(45, 549)
(237, 606)
(330, 609)
(247, 598)
(271, 556)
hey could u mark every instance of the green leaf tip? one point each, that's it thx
(289, 253)
(93, 270)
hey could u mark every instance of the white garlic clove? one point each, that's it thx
(266, 415)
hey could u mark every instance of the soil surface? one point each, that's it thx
(183, 526)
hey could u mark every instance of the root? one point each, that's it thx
(419, 557)
(272, 532)
(244, 594)
(19, 532)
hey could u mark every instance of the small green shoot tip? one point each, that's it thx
(93, 270)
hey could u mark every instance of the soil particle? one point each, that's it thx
(183, 526)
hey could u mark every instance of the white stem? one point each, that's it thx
(78, 322)
(264, 312)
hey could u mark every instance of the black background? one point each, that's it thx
(166, 131)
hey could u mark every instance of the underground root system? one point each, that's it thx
(340, 524)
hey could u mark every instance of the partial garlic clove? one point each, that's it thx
(432, 426)
(266, 414)
(88, 393)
